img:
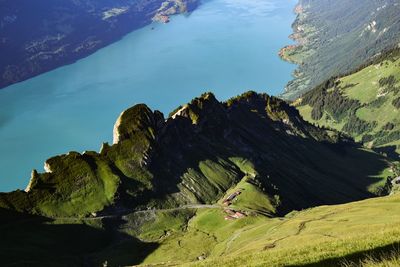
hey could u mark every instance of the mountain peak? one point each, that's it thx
(139, 118)
(198, 108)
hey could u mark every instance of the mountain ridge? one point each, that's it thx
(195, 156)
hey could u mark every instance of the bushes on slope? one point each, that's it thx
(396, 103)
(328, 97)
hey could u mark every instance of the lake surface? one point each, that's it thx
(225, 46)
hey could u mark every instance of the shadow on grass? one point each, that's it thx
(28, 240)
(354, 259)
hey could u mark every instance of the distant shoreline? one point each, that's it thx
(50, 49)
(295, 36)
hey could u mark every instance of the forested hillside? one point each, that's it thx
(334, 37)
(364, 104)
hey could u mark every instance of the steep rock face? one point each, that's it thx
(53, 33)
(197, 154)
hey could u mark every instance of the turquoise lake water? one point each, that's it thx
(225, 46)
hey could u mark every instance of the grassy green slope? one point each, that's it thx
(362, 104)
(323, 236)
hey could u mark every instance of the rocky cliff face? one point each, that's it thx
(38, 37)
(197, 154)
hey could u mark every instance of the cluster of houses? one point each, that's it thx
(232, 214)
